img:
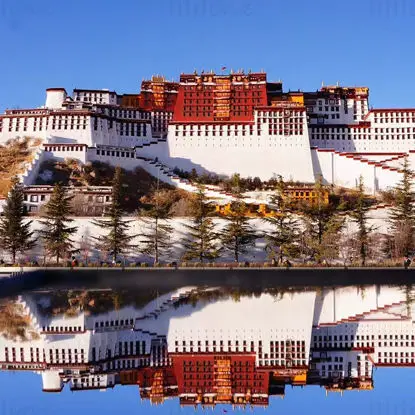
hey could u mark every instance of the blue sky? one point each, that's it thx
(107, 44)
(393, 394)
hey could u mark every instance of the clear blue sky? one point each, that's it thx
(115, 44)
(393, 394)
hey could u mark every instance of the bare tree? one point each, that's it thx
(85, 246)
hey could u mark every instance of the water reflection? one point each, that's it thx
(211, 345)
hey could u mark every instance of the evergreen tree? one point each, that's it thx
(238, 235)
(281, 241)
(359, 216)
(322, 226)
(56, 233)
(402, 216)
(15, 234)
(117, 241)
(202, 241)
(156, 216)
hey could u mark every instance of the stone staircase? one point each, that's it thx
(166, 174)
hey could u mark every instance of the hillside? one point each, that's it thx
(138, 183)
(14, 155)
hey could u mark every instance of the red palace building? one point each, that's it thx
(209, 97)
(207, 379)
(158, 94)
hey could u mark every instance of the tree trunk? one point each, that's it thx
(156, 246)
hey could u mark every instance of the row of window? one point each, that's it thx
(130, 129)
(393, 130)
(128, 364)
(325, 130)
(341, 345)
(282, 363)
(227, 129)
(114, 323)
(221, 343)
(293, 355)
(394, 114)
(127, 348)
(123, 349)
(396, 354)
(322, 118)
(65, 148)
(396, 361)
(330, 367)
(210, 387)
(216, 86)
(123, 113)
(213, 349)
(331, 109)
(113, 153)
(62, 329)
(275, 131)
(213, 133)
(394, 120)
(58, 355)
(290, 122)
(357, 337)
(362, 137)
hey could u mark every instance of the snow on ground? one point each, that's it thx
(87, 231)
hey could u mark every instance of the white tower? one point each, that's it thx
(55, 97)
(52, 382)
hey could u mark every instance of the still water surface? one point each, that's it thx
(220, 349)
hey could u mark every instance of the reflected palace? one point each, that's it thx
(206, 346)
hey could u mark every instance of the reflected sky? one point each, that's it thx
(209, 348)
(393, 394)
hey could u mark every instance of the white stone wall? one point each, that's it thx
(249, 154)
(345, 170)
(32, 168)
(63, 152)
(343, 303)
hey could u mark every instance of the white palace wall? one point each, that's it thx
(345, 170)
(71, 128)
(249, 155)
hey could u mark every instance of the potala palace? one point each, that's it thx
(221, 350)
(224, 124)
